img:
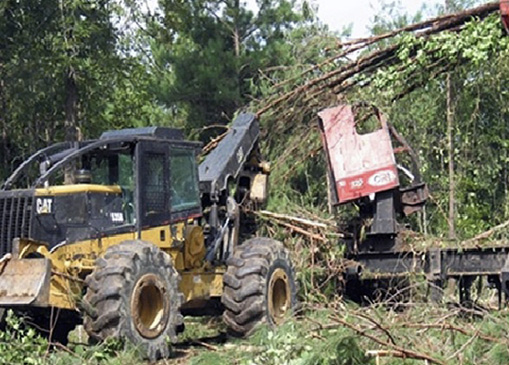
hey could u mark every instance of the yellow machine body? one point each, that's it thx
(35, 276)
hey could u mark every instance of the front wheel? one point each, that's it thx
(259, 286)
(133, 294)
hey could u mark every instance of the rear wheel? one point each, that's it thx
(133, 294)
(259, 286)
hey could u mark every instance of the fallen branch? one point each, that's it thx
(487, 233)
(431, 25)
(446, 326)
(378, 325)
(204, 344)
(306, 222)
(213, 144)
(388, 353)
(343, 74)
(406, 352)
(462, 348)
(292, 223)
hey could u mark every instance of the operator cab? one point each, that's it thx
(123, 183)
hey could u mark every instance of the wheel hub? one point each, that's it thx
(278, 295)
(149, 306)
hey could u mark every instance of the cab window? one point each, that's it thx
(183, 179)
(154, 189)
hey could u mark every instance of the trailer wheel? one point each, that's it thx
(133, 294)
(259, 286)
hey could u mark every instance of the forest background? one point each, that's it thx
(71, 69)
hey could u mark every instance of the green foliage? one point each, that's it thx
(20, 344)
(110, 352)
(390, 17)
(283, 346)
(208, 53)
(338, 350)
(288, 346)
(418, 57)
(292, 343)
(202, 60)
(46, 45)
(318, 338)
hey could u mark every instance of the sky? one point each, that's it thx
(340, 13)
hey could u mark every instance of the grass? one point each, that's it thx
(337, 332)
(346, 333)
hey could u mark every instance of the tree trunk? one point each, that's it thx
(450, 150)
(71, 111)
(449, 6)
(71, 106)
(236, 35)
(237, 45)
(3, 117)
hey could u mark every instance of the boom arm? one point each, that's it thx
(228, 158)
(234, 163)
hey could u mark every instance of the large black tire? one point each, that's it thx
(259, 286)
(133, 294)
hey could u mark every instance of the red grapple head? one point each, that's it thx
(359, 164)
(504, 13)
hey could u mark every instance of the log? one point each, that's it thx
(303, 221)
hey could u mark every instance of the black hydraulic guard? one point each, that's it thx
(228, 158)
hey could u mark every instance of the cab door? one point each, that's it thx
(153, 194)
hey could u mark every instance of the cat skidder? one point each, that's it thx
(127, 233)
